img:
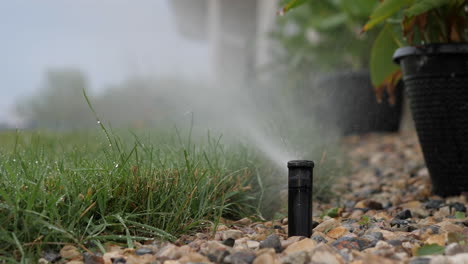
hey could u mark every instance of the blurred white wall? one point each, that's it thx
(237, 32)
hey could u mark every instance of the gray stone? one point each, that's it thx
(319, 239)
(405, 214)
(51, 256)
(143, 251)
(272, 241)
(420, 260)
(459, 207)
(434, 204)
(240, 257)
(351, 243)
(118, 260)
(229, 242)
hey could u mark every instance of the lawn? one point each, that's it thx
(91, 187)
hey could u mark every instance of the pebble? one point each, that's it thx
(455, 248)
(193, 258)
(305, 244)
(386, 212)
(439, 239)
(233, 234)
(272, 241)
(325, 254)
(265, 259)
(351, 243)
(51, 256)
(319, 239)
(420, 260)
(252, 244)
(405, 214)
(92, 259)
(240, 257)
(229, 242)
(458, 207)
(70, 252)
(143, 251)
(327, 225)
(296, 258)
(433, 204)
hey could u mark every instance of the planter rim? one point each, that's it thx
(430, 49)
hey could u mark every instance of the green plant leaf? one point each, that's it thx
(459, 215)
(290, 4)
(423, 6)
(332, 212)
(381, 64)
(430, 249)
(330, 22)
(364, 220)
(385, 10)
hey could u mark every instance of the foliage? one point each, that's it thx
(459, 215)
(59, 104)
(412, 22)
(325, 35)
(365, 220)
(332, 212)
(137, 102)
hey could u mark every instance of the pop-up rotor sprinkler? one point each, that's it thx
(300, 197)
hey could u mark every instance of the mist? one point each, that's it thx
(204, 69)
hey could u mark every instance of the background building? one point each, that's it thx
(237, 32)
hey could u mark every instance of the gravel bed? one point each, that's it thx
(384, 213)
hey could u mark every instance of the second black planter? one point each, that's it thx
(348, 103)
(436, 81)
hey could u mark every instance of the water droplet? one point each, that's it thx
(99, 122)
(117, 165)
(14, 160)
(37, 162)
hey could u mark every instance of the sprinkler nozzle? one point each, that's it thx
(300, 197)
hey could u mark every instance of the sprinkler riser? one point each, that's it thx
(300, 183)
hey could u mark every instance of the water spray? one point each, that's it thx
(300, 197)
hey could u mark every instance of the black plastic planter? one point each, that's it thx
(300, 181)
(349, 104)
(436, 81)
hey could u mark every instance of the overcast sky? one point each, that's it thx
(108, 39)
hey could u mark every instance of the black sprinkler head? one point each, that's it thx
(300, 181)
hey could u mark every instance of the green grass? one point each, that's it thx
(88, 188)
(81, 189)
